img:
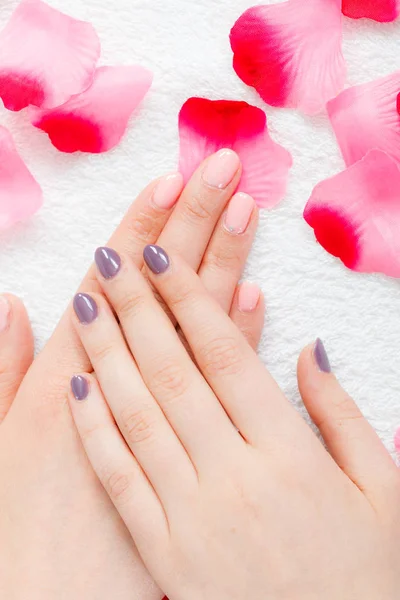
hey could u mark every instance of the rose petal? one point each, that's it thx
(96, 120)
(356, 215)
(397, 441)
(291, 52)
(206, 126)
(384, 11)
(365, 117)
(45, 57)
(20, 194)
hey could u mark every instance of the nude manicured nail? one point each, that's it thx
(168, 190)
(5, 313)
(85, 308)
(221, 169)
(249, 297)
(156, 259)
(238, 215)
(321, 357)
(108, 262)
(80, 387)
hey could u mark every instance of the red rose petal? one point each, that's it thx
(384, 11)
(274, 50)
(356, 215)
(45, 57)
(206, 126)
(96, 120)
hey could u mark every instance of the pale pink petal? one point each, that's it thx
(365, 117)
(356, 215)
(96, 120)
(20, 194)
(397, 441)
(384, 11)
(206, 126)
(45, 57)
(291, 53)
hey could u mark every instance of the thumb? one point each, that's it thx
(16, 349)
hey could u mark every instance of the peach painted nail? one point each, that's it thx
(249, 297)
(221, 169)
(5, 310)
(238, 215)
(168, 191)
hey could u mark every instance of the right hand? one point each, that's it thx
(60, 536)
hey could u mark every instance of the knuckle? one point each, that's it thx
(181, 295)
(221, 356)
(170, 380)
(100, 353)
(118, 486)
(225, 256)
(347, 410)
(199, 207)
(144, 227)
(137, 424)
(129, 305)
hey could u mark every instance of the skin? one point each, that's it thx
(60, 535)
(256, 510)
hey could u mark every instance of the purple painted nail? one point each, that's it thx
(80, 387)
(156, 259)
(321, 357)
(85, 308)
(108, 262)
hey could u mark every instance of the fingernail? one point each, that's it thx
(85, 308)
(249, 296)
(321, 357)
(221, 169)
(156, 259)
(168, 191)
(108, 262)
(5, 313)
(238, 215)
(80, 387)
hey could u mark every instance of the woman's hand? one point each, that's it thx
(225, 489)
(60, 536)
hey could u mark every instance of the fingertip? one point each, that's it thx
(15, 328)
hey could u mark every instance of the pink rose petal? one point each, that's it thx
(397, 441)
(45, 57)
(291, 53)
(356, 215)
(365, 117)
(96, 120)
(384, 11)
(20, 194)
(206, 126)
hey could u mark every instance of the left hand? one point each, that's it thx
(227, 492)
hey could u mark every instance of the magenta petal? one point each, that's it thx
(397, 441)
(275, 51)
(45, 57)
(383, 11)
(356, 215)
(206, 126)
(365, 117)
(20, 194)
(96, 120)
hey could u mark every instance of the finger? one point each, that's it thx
(350, 439)
(139, 418)
(16, 349)
(114, 464)
(170, 375)
(201, 205)
(63, 354)
(248, 312)
(227, 252)
(227, 362)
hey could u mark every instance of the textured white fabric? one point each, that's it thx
(308, 292)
